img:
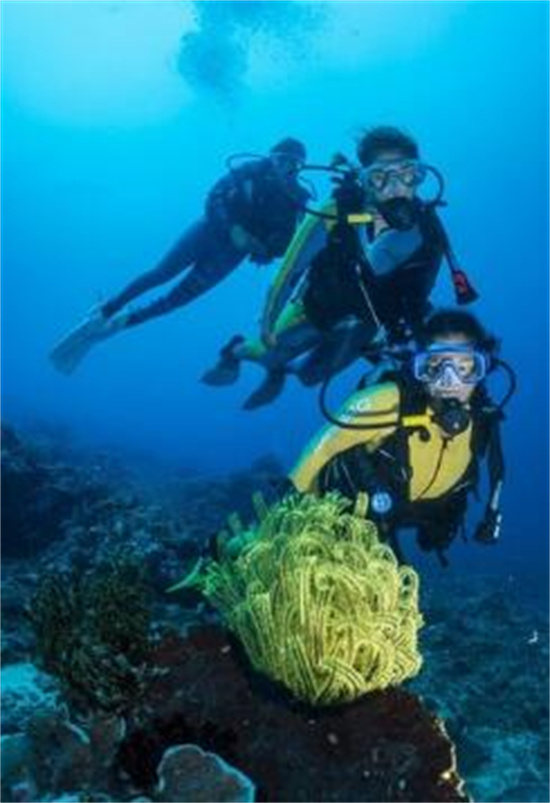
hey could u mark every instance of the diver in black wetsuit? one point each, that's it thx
(251, 212)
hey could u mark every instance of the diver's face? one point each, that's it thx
(286, 165)
(452, 369)
(392, 175)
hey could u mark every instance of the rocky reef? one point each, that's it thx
(196, 721)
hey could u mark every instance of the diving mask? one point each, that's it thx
(453, 362)
(407, 172)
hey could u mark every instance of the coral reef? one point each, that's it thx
(383, 747)
(92, 631)
(319, 603)
(58, 759)
(188, 773)
(36, 497)
(483, 634)
(26, 690)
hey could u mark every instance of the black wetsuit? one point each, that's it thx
(252, 196)
(345, 279)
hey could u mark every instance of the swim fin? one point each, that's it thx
(227, 369)
(268, 391)
(71, 350)
(225, 372)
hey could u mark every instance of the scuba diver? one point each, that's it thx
(356, 273)
(251, 212)
(414, 440)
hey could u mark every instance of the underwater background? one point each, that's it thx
(117, 117)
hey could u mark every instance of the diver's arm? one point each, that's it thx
(391, 249)
(231, 195)
(376, 405)
(309, 239)
(488, 531)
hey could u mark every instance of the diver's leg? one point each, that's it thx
(293, 336)
(103, 322)
(292, 342)
(202, 277)
(67, 355)
(227, 369)
(336, 351)
(190, 248)
(439, 521)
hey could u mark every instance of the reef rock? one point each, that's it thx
(384, 747)
(188, 773)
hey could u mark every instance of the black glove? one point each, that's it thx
(398, 333)
(401, 213)
(488, 531)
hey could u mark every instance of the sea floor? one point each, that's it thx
(485, 647)
(484, 643)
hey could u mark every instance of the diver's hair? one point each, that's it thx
(453, 322)
(291, 146)
(375, 141)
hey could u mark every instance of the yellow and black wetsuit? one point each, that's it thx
(426, 473)
(286, 330)
(437, 463)
(309, 240)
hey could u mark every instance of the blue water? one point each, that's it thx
(112, 135)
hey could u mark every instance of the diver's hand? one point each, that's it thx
(239, 237)
(401, 213)
(244, 241)
(399, 334)
(488, 531)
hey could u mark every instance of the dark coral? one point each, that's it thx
(92, 631)
(385, 747)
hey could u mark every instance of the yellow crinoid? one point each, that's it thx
(319, 603)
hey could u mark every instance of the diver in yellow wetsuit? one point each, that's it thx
(414, 441)
(356, 273)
